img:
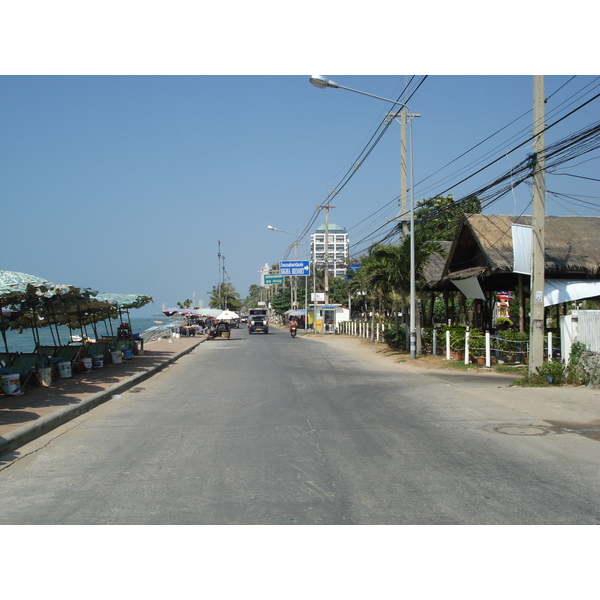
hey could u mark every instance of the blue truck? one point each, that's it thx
(258, 320)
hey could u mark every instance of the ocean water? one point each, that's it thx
(24, 342)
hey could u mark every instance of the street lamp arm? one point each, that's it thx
(321, 82)
(283, 231)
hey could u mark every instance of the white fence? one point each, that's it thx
(492, 347)
(363, 329)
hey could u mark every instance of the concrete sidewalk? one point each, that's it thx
(41, 409)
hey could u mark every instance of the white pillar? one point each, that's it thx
(467, 347)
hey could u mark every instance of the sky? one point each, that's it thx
(128, 175)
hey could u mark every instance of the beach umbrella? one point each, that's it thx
(176, 311)
(107, 306)
(126, 301)
(15, 287)
(227, 314)
(41, 302)
(210, 312)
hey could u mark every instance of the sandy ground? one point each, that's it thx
(567, 407)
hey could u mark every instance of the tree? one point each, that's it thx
(224, 296)
(254, 296)
(338, 291)
(185, 304)
(438, 218)
(282, 302)
(387, 273)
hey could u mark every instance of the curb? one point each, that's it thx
(19, 437)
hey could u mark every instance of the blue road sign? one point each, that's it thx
(294, 267)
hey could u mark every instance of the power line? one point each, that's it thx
(491, 192)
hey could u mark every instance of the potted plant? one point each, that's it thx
(503, 323)
(514, 345)
(457, 340)
(477, 346)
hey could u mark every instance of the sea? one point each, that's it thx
(24, 342)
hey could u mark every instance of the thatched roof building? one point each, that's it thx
(483, 248)
(434, 268)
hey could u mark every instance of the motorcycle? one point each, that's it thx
(293, 329)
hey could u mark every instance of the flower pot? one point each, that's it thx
(480, 360)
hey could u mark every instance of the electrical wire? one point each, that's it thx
(359, 161)
(491, 192)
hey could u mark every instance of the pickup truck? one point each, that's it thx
(258, 324)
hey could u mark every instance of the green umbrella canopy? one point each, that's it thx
(43, 303)
(15, 287)
(18, 287)
(126, 301)
(109, 306)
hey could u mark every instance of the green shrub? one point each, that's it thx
(576, 373)
(550, 373)
(476, 342)
(457, 336)
(395, 338)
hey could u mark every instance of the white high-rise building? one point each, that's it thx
(338, 249)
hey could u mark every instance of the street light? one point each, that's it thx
(322, 82)
(295, 244)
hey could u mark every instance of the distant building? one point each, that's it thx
(338, 249)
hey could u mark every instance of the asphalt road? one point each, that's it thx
(266, 429)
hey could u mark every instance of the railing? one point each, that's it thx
(494, 347)
(491, 347)
(159, 332)
(363, 329)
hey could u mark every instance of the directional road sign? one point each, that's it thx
(270, 279)
(294, 267)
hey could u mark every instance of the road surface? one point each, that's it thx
(267, 429)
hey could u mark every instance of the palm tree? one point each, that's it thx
(224, 296)
(388, 270)
(371, 282)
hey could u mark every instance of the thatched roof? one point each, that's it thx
(434, 268)
(483, 247)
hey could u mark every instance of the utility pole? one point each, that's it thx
(223, 296)
(404, 202)
(326, 299)
(219, 278)
(326, 282)
(403, 114)
(536, 301)
(294, 282)
(326, 207)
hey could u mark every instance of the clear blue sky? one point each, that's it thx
(124, 183)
